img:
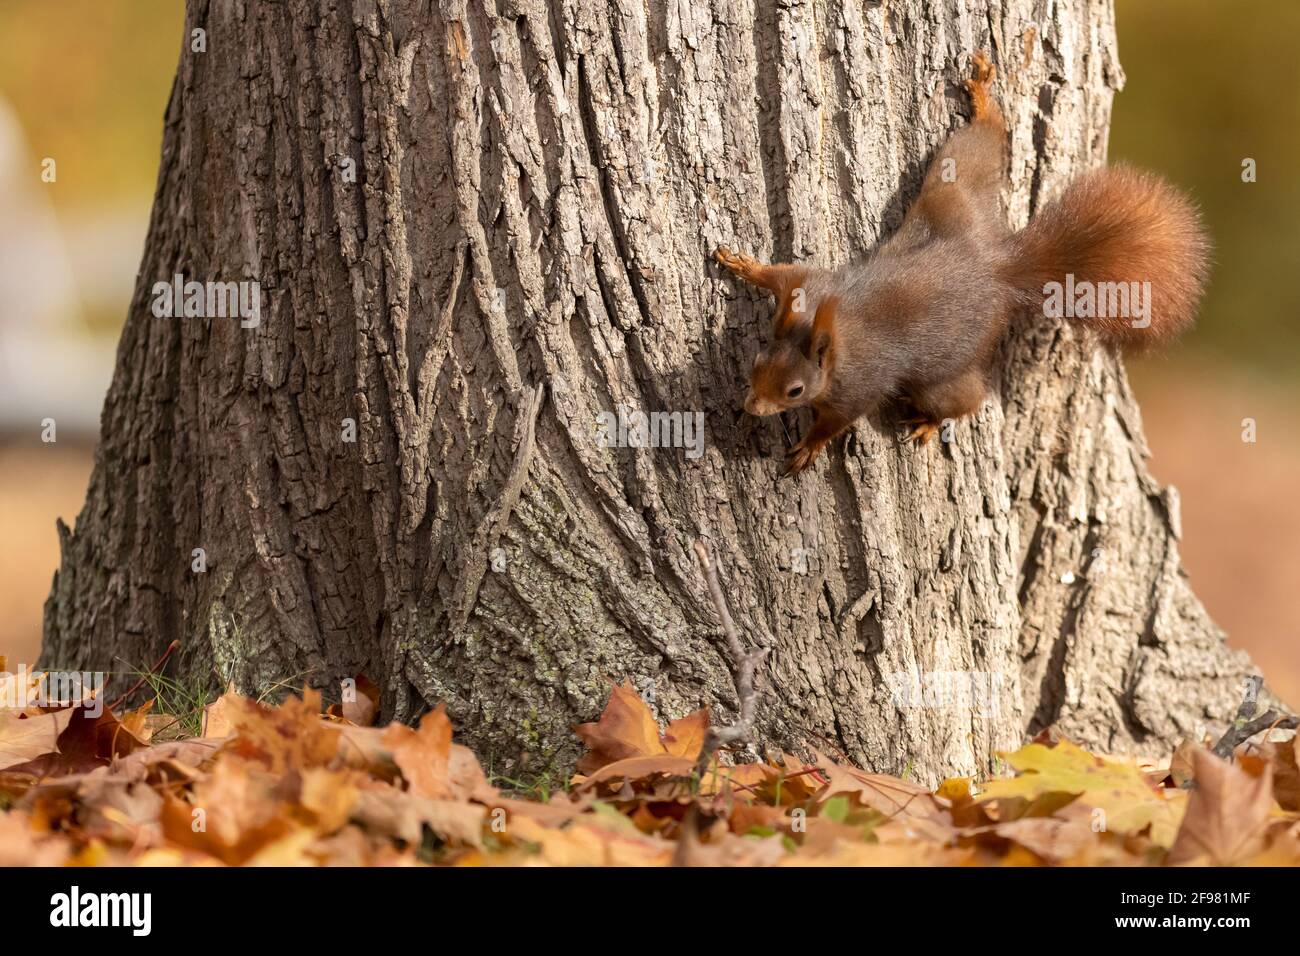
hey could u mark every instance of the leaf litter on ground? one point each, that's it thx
(290, 784)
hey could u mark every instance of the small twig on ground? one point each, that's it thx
(1243, 727)
(743, 663)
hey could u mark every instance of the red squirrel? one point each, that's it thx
(922, 317)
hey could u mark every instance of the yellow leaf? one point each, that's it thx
(1127, 801)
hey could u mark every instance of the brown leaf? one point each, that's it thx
(583, 844)
(626, 728)
(553, 814)
(329, 796)
(25, 737)
(289, 737)
(1050, 838)
(637, 768)
(685, 735)
(365, 707)
(424, 755)
(217, 716)
(1227, 813)
(231, 814)
(889, 795)
(1286, 773)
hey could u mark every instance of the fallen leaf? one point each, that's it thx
(1227, 812)
(685, 735)
(217, 716)
(637, 768)
(1127, 799)
(424, 755)
(626, 728)
(291, 736)
(25, 737)
(1286, 772)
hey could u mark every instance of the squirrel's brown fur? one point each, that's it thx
(922, 317)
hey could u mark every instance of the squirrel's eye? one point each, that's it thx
(795, 391)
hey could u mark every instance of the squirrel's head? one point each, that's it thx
(796, 367)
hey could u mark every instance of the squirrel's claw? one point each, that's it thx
(922, 431)
(800, 457)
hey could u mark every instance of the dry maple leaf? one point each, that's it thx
(25, 737)
(217, 716)
(424, 756)
(685, 735)
(584, 844)
(231, 814)
(289, 737)
(1286, 772)
(889, 795)
(639, 768)
(627, 728)
(329, 795)
(1127, 799)
(1052, 839)
(1227, 812)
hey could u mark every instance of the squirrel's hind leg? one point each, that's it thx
(961, 188)
(978, 85)
(950, 400)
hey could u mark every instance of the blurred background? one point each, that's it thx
(1210, 85)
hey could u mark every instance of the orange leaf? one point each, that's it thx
(625, 729)
(685, 735)
(423, 756)
(217, 720)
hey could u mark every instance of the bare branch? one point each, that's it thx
(1243, 727)
(742, 662)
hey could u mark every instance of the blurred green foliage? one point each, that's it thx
(1210, 84)
(89, 80)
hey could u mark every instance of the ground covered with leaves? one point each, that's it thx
(292, 785)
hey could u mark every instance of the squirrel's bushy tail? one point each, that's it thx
(1120, 251)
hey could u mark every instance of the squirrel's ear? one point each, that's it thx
(823, 332)
(790, 296)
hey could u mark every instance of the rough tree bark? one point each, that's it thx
(539, 184)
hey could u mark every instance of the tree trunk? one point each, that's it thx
(525, 246)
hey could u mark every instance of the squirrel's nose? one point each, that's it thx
(758, 407)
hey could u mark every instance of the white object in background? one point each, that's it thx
(49, 366)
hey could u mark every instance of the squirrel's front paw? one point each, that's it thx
(735, 261)
(800, 457)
